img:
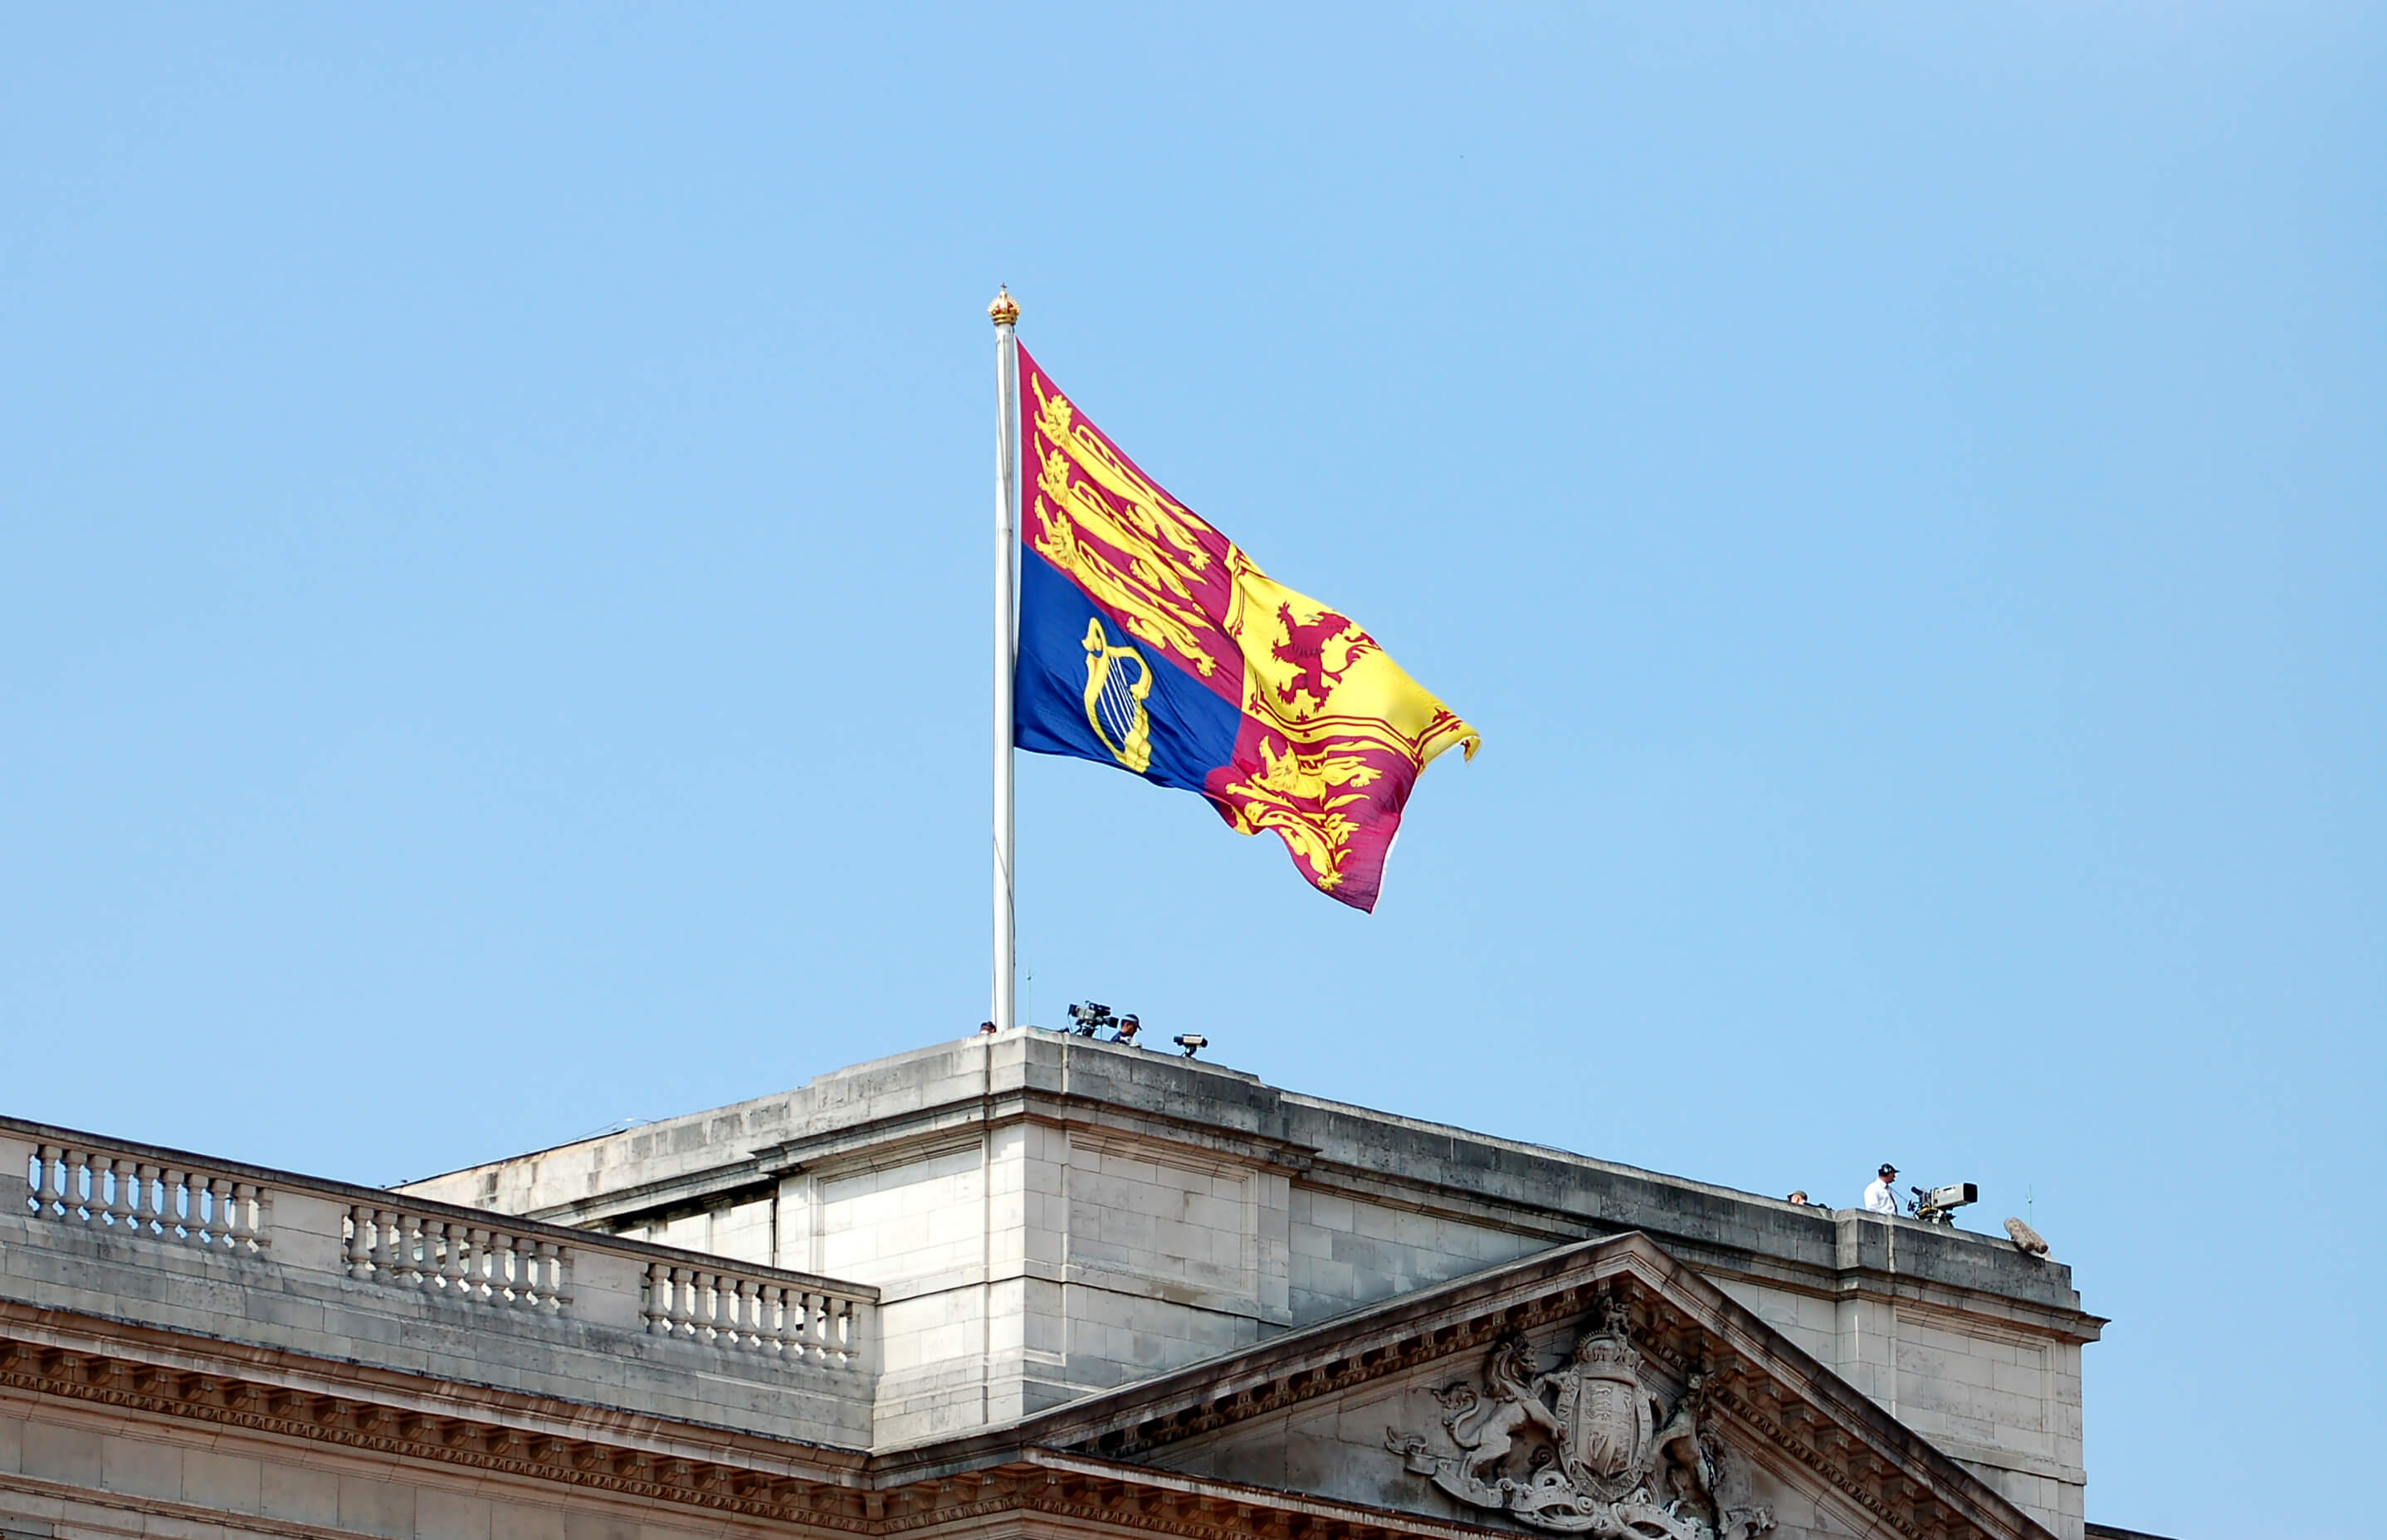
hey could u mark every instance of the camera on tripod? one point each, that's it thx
(1089, 1018)
(1933, 1204)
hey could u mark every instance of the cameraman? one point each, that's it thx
(1880, 1197)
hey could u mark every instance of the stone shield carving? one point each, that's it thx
(1600, 1453)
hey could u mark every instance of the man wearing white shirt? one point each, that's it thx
(1880, 1198)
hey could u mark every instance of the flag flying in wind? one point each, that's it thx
(1149, 640)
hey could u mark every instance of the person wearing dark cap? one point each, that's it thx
(1882, 1198)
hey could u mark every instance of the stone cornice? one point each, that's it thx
(633, 1462)
(899, 1134)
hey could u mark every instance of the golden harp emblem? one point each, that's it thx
(1115, 697)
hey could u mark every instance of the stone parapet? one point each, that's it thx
(111, 1241)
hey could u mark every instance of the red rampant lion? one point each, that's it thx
(1305, 646)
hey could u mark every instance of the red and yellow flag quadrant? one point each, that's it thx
(1164, 648)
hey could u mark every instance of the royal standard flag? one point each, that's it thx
(1149, 640)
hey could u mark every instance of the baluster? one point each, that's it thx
(683, 1302)
(438, 1257)
(520, 1291)
(120, 1194)
(722, 1294)
(658, 1299)
(558, 1298)
(170, 1203)
(750, 1314)
(771, 1301)
(501, 1269)
(182, 1207)
(133, 1194)
(422, 1267)
(542, 1273)
(356, 1249)
(841, 1335)
(800, 1324)
(526, 1266)
(242, 1218)
(247, 1226)
(385, 1241)
(51, 1190)
(754, 1306)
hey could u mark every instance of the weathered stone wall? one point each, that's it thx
(1047, 1217)
(1346, 1251)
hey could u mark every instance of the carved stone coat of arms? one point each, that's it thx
(1583, 1449)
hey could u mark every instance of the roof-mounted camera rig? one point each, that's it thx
(1934, 1205)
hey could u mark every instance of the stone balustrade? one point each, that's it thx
(131, 1195)
(740, 1310)
(459, 1260)
(109, 1230)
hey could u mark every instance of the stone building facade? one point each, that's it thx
(1024, 1284)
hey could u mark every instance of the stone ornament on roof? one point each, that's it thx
(1601, 1453)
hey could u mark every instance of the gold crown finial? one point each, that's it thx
(1004, 310)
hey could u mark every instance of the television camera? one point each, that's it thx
(1092, 1017)
(1934, 1205)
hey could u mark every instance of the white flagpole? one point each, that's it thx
(1005, 311)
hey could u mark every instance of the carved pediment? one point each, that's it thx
(1589, 1446)
(1602, 1390)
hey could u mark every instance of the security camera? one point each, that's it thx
(1192, 1043)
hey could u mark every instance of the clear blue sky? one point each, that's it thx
(493, 525)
